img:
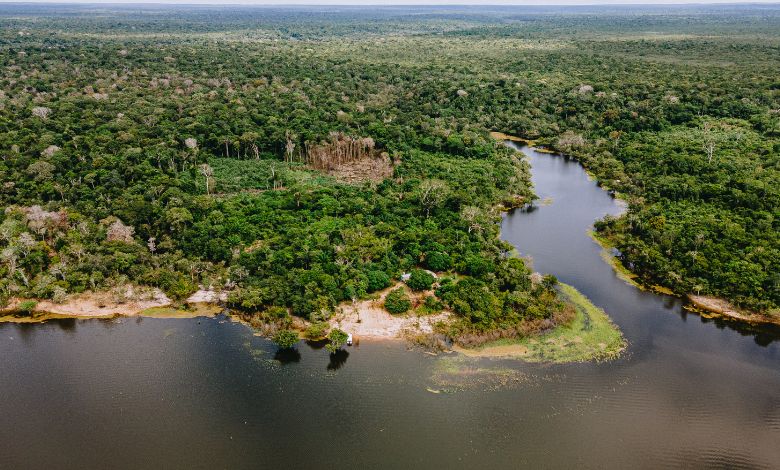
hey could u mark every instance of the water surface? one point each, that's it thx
(203, 393)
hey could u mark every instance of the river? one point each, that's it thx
(202, 393)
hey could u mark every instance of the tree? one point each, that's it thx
(337, 338)
(119, 232)
(420, 280)
(432, 193)
(208, 173)
(377, 280)
(709, 141)
(397, 302)
(285, 338)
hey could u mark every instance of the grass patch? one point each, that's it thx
(622, 272)
(591, 336)
(194, 311)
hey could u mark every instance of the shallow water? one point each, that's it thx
(197, 393)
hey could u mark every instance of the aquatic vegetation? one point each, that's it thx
(590, 336)
(453, 374)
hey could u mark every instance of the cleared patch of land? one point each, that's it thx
(369, 319)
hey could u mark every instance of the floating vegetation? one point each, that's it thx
(458, 373)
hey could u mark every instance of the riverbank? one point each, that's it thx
(500, 136)
(368, 319)
(590, 336)
(133, 301)
(701, 304)
(707, 305)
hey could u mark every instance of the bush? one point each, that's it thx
(477, 266)
(377, 280)
(316, 330)
(433, 305)
(437, 261)
(397, 302)
(337, 339)
(420, 280)
(285, 339)
(175, 284)
(277, 314)
(26, 306)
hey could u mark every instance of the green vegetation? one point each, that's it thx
(317, 330)
(302, 158)
(285, 339)
(336, 340)
(397, 302)
(590, 336)
(420, 280)
(26, 306)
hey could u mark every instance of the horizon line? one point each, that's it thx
(398, 3)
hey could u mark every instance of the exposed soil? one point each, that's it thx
(726, 309)
(369, 319)
(375, 168)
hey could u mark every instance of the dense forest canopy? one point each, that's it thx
(305, 157)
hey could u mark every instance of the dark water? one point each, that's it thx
(141, 393)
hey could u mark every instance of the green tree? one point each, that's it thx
(420, 280)
(337, 338)
(397, 302)
(285, 339)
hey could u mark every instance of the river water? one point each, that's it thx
(202, 393)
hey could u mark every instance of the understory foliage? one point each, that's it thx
(192, 151)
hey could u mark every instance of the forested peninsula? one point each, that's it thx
(299, 160)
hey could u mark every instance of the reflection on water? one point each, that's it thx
(287, 356)
(337, 359)
(690, 392)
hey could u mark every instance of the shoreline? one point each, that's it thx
(368, 319)
(710, 306)
(705, 305)
(152, 303)
(590, 336)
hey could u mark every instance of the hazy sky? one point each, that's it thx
(400, 2)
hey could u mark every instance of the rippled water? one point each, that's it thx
(198, 393)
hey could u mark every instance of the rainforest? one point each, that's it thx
(297, 159)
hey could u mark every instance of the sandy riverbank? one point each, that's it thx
(501, 136)
(133, 301)
(724, 308)
(367, 319)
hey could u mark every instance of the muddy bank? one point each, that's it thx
(722, 307)
(131, 301)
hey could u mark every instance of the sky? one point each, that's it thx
(401, 2)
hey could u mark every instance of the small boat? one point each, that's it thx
(349, 339)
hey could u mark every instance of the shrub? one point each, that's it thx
(397, 302)
(433, 305)
(420, 280)
(377, 280)
(26, 306)
(438, 261)
(337, 339)
(276, 313)
(285, 339)
(316, 330)
(477, 266)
